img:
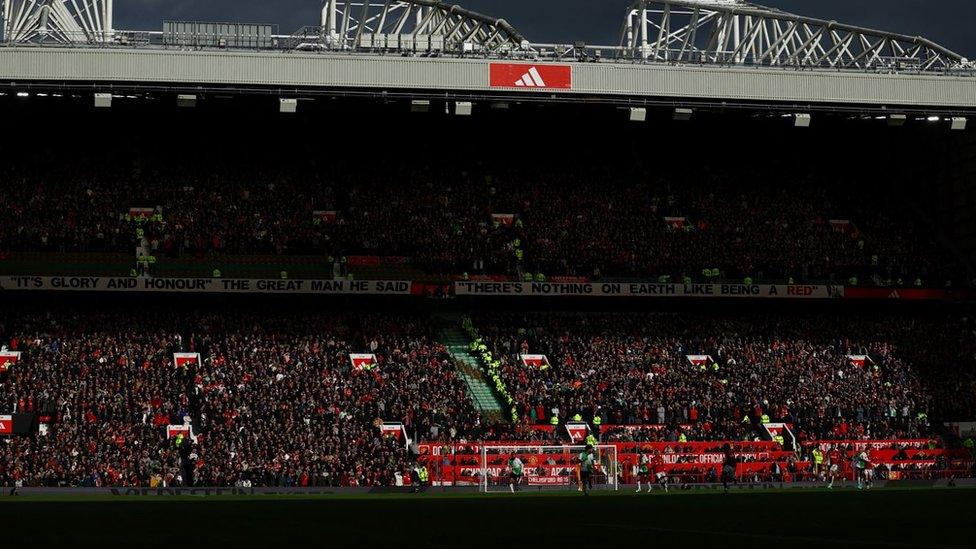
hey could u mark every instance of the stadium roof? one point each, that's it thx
(725, 51)
(724, 32)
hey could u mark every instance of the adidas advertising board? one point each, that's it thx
(529, 77)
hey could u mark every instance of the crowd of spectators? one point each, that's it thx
(580, 218)
(633, 369)
(275, 400)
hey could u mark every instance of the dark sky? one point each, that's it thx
(951, 23)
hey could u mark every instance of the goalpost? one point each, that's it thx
(547, 467)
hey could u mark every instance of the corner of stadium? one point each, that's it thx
(405, 276)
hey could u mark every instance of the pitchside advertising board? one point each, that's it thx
(643, 289)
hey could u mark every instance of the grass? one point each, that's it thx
(889, 517)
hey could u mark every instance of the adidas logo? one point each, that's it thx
(531, 79)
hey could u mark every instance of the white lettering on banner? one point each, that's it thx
(871, 444)
(715, 458)
(646, 289)
(206, 285)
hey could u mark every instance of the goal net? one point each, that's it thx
(546, 467)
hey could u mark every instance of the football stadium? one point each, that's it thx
(405, 276)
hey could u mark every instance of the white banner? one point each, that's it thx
(646, 289)
(204, 285)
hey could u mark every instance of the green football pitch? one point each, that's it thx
(775, 518)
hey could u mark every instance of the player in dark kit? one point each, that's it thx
(587, 464)
(728, 467)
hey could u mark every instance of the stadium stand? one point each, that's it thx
(276, 400)
(462, 218)
(717, 376)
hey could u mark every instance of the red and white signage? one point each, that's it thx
(578, 431)
(394, 430)
(539, 362)
(676, 222)
(505, 220)
(327, 217)
(363, 361)
(527, 76)
(173, 430)
(141, 213)
(841, 225)
(182, 360)
(547, 480)
(6, 425)
(859, 360)
(700, 360)
(8, 359)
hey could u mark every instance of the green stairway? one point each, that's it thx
(469, 367)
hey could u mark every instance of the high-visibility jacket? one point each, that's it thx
(764, 419)
(682, 438)
(597, 420)
(818, 456)
(424, 475)
(554, 420)
(577, 417)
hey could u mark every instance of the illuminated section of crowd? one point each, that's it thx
(276, 399)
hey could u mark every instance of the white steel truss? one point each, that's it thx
(57, 21)
(734, 32)
(411, 24)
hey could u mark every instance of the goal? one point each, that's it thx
(546, 467)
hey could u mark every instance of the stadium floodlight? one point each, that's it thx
(103, 100)
(933, 118)
(463, 108)
(547, 467)
(186, 100)
(419, 105)
(23, 94)
(288, 105)
(638, 114)
(897, 120)
(959, 123)
(801, 120)
(683, 114)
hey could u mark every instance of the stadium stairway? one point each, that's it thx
(457, 343)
